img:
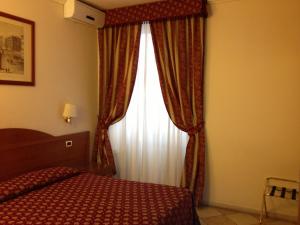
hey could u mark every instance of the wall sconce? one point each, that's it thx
(70, 112)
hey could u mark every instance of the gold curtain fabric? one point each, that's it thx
(118, 58)
(179, 51)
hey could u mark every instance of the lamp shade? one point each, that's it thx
(69, 111)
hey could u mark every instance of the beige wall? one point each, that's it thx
(252, 99)
(66, 71)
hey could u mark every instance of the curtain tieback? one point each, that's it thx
(103, 125)
(196, 129)
(103, 128)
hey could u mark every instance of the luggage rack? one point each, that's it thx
(273, 190)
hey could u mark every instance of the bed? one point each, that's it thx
(42, 181)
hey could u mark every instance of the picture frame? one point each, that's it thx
(17, 50)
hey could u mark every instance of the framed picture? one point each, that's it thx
(16, 50)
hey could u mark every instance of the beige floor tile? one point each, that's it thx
(279, 223)
(226, 211)
(202, 222)
(243, 219)
(204, 212)
(218, 220)
(267, 220)
(220, 216)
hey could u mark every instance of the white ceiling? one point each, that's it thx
(111, 4)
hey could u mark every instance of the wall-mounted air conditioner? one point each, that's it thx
(81, 12)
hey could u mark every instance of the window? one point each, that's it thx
(146, 144)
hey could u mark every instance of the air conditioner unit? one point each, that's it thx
(81, 12)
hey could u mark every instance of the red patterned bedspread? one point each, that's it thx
(87, 199)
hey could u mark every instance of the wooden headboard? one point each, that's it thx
(23, 150)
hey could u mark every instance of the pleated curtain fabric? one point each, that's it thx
(118, 58)
(179, 52)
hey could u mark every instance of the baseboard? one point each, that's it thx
(251, 211)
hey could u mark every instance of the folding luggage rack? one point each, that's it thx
(273, 190)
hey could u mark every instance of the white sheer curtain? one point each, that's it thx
(146, 144)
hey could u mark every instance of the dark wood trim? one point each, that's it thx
(32, 24)
(11, 136)
(24, 150)
(16, 18)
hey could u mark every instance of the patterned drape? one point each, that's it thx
(118, 57)
(179, 51)
(155, 11)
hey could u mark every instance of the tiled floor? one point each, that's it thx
(218, 216)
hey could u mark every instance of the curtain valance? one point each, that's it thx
(155, 11)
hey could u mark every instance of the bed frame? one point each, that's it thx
(23, 150)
